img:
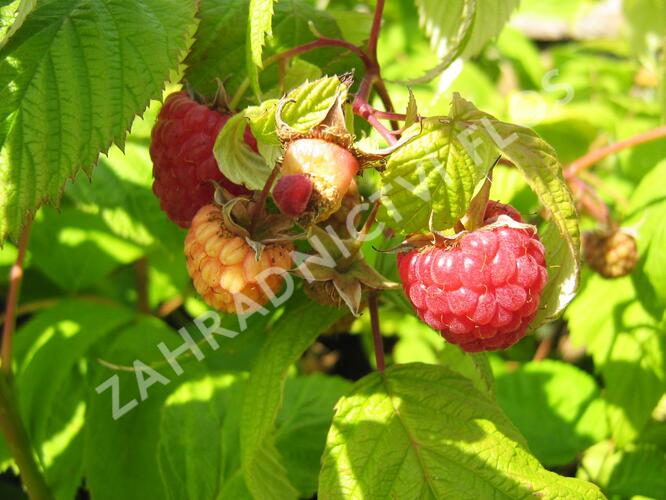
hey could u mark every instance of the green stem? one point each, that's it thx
(19, 444)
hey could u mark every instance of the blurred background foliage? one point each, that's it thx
(587, 391)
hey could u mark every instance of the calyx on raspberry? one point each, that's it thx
(344, 282)
(181, 148)
(226, 271)
(326, 155)
(612, 253)
(482, 289)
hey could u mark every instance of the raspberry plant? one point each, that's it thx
(332, 249)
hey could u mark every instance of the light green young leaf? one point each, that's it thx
(258, 26)
(312, 102)
(441, 21)
(433, 178)
(72, 78)
(421, 431)
(452, 49)
(412, 110)
(538, 163)
(12, 17)
(262, 122)
(236, 159)
(264, 472)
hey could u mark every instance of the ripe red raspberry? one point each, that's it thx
(181, 148)
(292, 194)
(222, 264)
(481, 292)
(330, 168)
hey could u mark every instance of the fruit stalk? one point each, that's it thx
(376, 332)
(586, 161)
(19, 444)
(15, 278)
(10, 422)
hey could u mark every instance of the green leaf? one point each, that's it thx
(198, 447)
(236, 159)
(628, 350)
(120, 454)
(451, 49)
(262, 122)
(199, 453)
(223, 30)
(299, 326)
(441, 21)
(556, 406)
(647, 19)
(302, 425)
(311, 102)
(636, 472)
(12, 17)
(51, 353)
(433, 177)
(72, 78)
(542, 171)
(258, 26)
(421, 431)
(87, 250)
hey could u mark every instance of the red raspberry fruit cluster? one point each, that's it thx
(182, 152)
(482, 291)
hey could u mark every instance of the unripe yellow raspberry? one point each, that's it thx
(224, 268)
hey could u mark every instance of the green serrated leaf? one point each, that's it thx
(223, 30)
(433, 178)
(259, 25)
(441, 21)
(264, 473)
(311, 102)
(72, 78)
(538, 163)
(421, 431)
(412, 112)
(236, 159)
(262, 122)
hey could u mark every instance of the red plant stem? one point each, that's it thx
(376, 332)
(15, 278)
(260, 204)
(317, 44)
(385, 115)
(374, 31)
(597, 155)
